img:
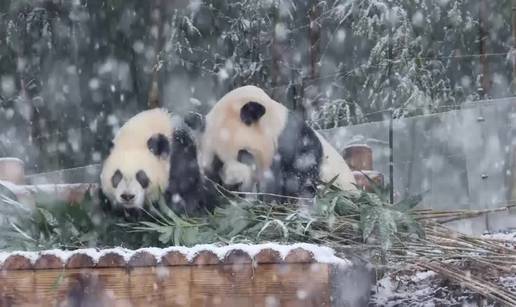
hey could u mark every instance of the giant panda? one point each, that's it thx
(153, 156)
(249, 142)
(136, 169)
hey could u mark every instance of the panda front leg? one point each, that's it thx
(187, 192)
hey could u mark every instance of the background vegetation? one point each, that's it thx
(71, 71)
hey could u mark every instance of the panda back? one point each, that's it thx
(333, 164)
(138, 129)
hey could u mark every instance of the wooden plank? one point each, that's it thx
(292, 285)
(174, 284)
(70, 287)
(222, 285)
(17, 288)
(239, 284)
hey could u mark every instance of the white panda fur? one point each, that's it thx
(138, 129)
(225, 134)
(129, 162)
(334, 165)
(130, 153)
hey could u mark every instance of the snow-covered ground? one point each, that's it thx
(421, 288)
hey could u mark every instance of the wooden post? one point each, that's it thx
(359, 157)
(391, 158)
(153, 100)
(12, 170)
(484, 65)
(513, 47)
(311, 87)
(315, 38)
(275, 53)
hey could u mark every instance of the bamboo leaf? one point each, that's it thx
(48, 217)
(166, 235)
(178, 232)
(368, 219)
(409, 203)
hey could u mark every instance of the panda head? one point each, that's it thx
(239, 138)
(132, 176)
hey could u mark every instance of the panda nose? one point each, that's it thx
(127, 197)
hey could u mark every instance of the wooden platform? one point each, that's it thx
(175, 278)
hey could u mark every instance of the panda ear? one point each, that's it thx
(159, 145)
(251, 112)
(195, 121)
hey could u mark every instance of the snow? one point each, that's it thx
(410, 287)
(357, 145)
(10, 159)
(43, 188)
(32, 256)
(11, 186)
(321, 254)
(510, 236)
(423, 275)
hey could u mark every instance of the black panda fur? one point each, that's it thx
(187, 190)
(297, 142)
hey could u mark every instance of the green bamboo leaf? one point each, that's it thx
(386, 228)
(178, 232)
(6, 193)
(409, 203)
(190, 236)
(166, 236)
(48, 217)
(380, 191)
(368, 219)
(271, 223)
(328, 185)
(152, 225)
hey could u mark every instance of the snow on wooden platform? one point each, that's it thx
(199, 254)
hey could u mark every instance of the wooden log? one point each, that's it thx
(267, 256)
(237, 256)
(111, 260)
(79, 260)
(142, 259)
(359, 157)
(12, 170)
(299, 255)
(174, 258)
(17, 262)
(206, 258)
(48, 262)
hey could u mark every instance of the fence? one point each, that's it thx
(463, 159)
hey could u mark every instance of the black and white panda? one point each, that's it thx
(153, 156)
(251, 142)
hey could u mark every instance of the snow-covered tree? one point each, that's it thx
(71, 71)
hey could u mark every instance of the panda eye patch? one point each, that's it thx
(245, 157)
(158, 144)
(142, 179)
(251, 112)
(116, 178)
